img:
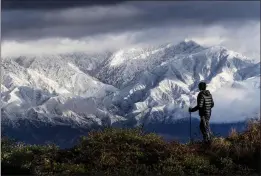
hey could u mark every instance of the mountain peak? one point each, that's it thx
(189, 43)
(186, 46)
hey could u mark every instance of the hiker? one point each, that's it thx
(204, 105)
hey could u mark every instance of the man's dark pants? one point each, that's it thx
(205, 128)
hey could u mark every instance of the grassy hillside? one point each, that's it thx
(131, 152)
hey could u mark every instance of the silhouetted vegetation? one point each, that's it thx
(131, 152)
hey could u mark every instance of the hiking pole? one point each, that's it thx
(190, 138)
(190, 135)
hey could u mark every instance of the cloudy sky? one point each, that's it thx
(36, 27)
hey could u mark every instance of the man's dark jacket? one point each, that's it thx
(204, 103)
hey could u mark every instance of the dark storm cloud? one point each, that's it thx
(52, 4)
(84, 20)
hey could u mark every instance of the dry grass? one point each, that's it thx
(130, 152)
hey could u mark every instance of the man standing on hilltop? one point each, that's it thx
(204, 105)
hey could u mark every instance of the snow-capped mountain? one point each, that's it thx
(50, 89)
(124, 65)
(131, 86)
(162, 90)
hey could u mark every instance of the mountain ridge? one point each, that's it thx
(155, 84)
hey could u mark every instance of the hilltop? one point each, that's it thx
(131, 152)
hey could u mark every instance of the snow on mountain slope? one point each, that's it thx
(43, 88)
(53, 74)
(167, 88)
(36, 105)
(250, 71)
(155, 84)
(125, 65)
(249, 83)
